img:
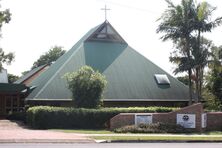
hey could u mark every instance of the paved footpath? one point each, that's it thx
(15, 132)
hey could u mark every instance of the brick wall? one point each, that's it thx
(121, 120)
(214, 121)
(124, 119)
(196, 109)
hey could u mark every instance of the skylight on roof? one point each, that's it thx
(162, 79)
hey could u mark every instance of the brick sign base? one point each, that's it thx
(195, 111)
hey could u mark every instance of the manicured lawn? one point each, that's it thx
(154, 138)
(214, 133)
(85, 131)
(111, 136)
(104, 131)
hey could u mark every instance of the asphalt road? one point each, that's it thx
(115, 145)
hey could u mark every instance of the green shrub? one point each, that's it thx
(45, 117)
(87, 87)
(152, 128)
(20, 116)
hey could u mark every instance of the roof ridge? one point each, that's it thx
(60, 68)
(73, 50)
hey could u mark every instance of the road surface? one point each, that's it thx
(114, 145)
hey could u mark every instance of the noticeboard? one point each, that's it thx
(143, 119)
(186, 120)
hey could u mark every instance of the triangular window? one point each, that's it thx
(106, 32)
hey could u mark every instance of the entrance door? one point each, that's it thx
(2, 105)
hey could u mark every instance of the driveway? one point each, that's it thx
(16, 132)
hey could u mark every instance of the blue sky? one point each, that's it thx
(37, 25)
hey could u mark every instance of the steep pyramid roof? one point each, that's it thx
(130, 76)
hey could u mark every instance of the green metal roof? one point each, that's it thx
(12, 88)
(130, 75)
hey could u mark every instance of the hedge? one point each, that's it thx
(19, 116)
(45, 117)
(152, 128)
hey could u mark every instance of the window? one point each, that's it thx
(106, 33)
(162, 79)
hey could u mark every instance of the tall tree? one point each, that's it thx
(212, 90)
(201, 60)
(203, 23)
(52, 55)
(5, 17)
(177, 25)
(184, 25)
(214, 82)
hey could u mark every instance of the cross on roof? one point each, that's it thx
(105, 10)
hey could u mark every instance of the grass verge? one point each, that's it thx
(85, 131)
(104, 131)
(213, 133)
(156, 138)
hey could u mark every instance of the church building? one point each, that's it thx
(133, 80)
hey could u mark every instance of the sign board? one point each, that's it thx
(186, 120)
(204, 120)
(143, 119)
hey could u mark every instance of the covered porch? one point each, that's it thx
(12, 98)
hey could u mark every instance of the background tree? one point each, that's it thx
(212, 92)
(5, 58)
(201, 56)
(177, 25)
(87, 87)
(184, 24)
(51, 56)
(12, 78)
(214, 83)
(183, 79)
(5, 17)
(25, 72)
(203, 23)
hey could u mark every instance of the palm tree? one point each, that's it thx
(202, 23)
(201, 59)
(177, 25)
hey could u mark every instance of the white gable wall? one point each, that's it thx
(3, 76)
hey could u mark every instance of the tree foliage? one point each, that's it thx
(184, 25)
(5, 17)
(51, 56)
(87, 87)
(25, 72)
(5, 58)
(184, 80)
(12, 78)
(176, 24)
(213, 88)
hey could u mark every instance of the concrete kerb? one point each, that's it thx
(154, 141)
(158, 141)
(145, 135)
(46, 141)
